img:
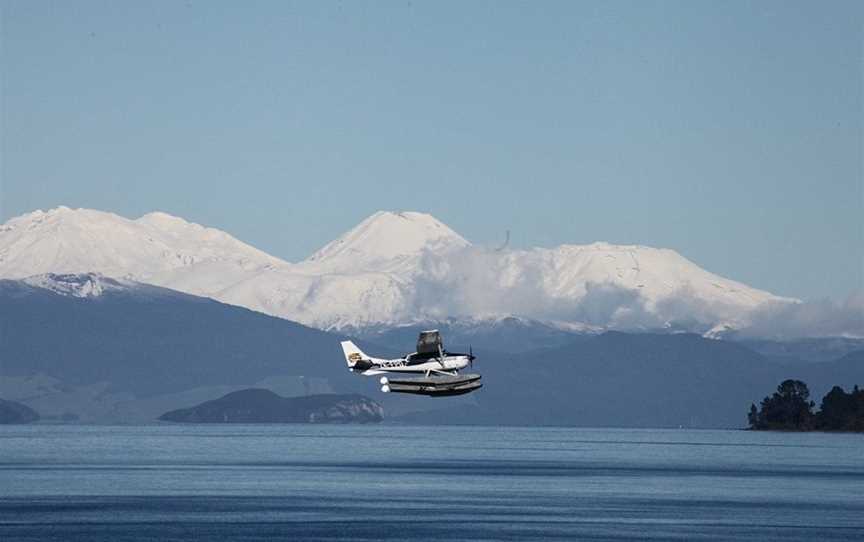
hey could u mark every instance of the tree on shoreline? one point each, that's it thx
(790, 409)
(841, 411)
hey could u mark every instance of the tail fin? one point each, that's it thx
(353, 355)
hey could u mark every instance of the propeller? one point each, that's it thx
(470, 357)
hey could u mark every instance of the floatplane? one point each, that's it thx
(440, 369)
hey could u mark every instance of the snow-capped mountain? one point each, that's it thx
(148, 249)
(391, 269)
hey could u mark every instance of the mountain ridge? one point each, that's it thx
(391, 269)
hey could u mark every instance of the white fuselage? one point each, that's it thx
(405, 365)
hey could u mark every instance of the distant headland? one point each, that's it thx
(263, 406)
(12, 412)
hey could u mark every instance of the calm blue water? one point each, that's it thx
(306, 482)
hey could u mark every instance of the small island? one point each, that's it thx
(12, 412)
(790, 409)
(263, 406)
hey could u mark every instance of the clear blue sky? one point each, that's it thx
(729, 131)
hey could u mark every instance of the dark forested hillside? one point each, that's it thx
(150, 340)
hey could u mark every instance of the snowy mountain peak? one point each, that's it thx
(66, 241)
(388, 236)
(58, 216)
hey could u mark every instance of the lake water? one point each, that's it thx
(304, 482)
